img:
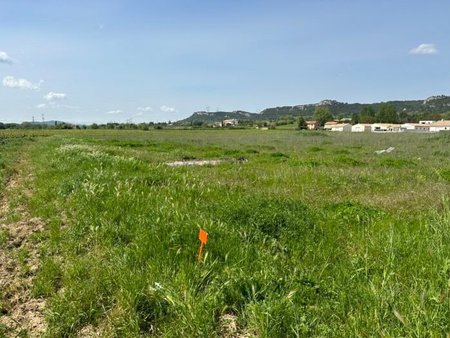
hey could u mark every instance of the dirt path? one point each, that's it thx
(20, 313)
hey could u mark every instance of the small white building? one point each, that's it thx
(341, 127)
(230, 122)
(422, 127)
(443, 125)
(386, 127)
(329, 125)
(426, 122)
(312, 125)
(408, 126)
(415, 127)
(361, 127)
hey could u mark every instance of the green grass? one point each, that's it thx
(11, 144)
(315, 235)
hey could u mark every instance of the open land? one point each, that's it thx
(310, 234)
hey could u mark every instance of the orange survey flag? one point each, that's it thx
(203, 237)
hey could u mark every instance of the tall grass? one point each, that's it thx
(314, 236)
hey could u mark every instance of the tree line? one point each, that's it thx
(387, 113)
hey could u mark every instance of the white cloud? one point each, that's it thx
(424, 49)
(167, 109)
(12, 82)
(139, 114)
(4, 58)
(114, 112)
(52, 96)
(53, 101)
(53, 105)
(145, 109)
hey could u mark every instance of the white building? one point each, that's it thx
(386, 127)
(443, 125)
(230, 122)
(418, 127)
(341, 127)
(312, 125)
(361, 127)
(408, 126)
(329, 125)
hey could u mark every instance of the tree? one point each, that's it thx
(355, 118)
(322, 115)
(367, 115)
(403, 117)
(387, 113)
(301, 123)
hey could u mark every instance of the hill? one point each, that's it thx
(432, 105)
(204, 116)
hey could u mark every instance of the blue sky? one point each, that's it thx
(99, 61)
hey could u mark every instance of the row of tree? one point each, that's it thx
(63, 125)
(389, 114)
(386, 114)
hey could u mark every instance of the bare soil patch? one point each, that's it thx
(20, 313)
(193, 162)
(229, 327)
(204, 162)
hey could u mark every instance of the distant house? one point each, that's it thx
(328, 125)
(443, 125)
(418, 127)
(422, 127)
(361, 127)
(426, 122)
(386, 127)
(312, 125)
(341, 127)
(230, 122)
(217, 124)
(394, 127)
(408, 126)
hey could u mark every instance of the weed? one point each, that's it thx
(279, 155)
(48, 278)
(445, 174)
(396, 162)
(307, 238)
(314, 149)
(3, 237)
(346, 160)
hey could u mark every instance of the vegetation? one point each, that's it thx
(433, 108)
(322, 115)
(367, 115)
(310, 233)
(388, 114)
(301, 123)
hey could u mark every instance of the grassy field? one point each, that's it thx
(312, 235)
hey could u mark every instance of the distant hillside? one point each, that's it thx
(431, 105)
(204, 116)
